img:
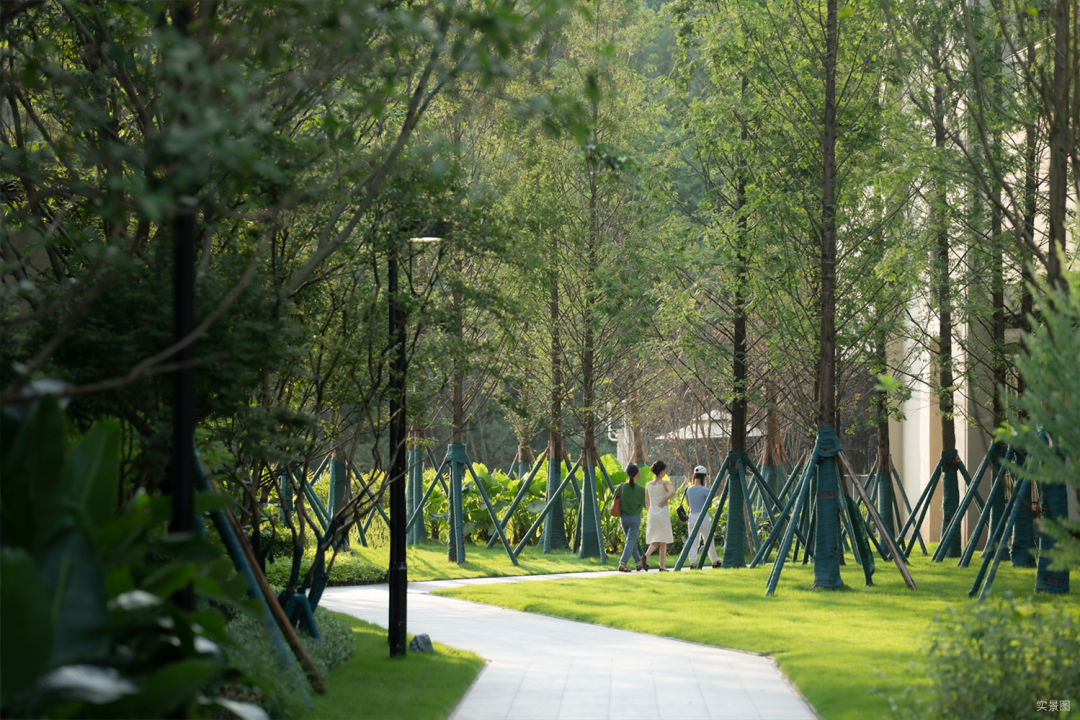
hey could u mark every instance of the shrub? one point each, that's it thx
(253, 653)
(91, 626)
(1048, 405)
(335, 644)
(997, 660)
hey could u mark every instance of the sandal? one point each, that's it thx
(637, 566)
(663, 569)
(645, 564)
(623, 568)
(716, 565)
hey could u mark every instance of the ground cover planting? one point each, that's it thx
(373, 685)
(847, 650)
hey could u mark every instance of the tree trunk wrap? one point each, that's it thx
(1023, 534)
(885, 500)
(589, 512)
(1055, 507)
(774, 478)
(338, 492)
(554, 533)
(827, 535)
(414, 494)
(735, 535)
(997, 502)
(861, 541)
(950, 498)
(799, 496)
(285, 496)
(456, 459)
(997, 488)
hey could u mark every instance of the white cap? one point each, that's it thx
(700, 470)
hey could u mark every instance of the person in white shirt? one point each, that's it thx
(696, 494)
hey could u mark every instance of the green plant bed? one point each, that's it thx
(252, 652)
(347, 570)
(845, 651)
(427, 561)
(371, 684)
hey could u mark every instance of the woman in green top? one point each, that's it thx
(631, 500)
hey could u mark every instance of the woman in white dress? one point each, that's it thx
(658, 519)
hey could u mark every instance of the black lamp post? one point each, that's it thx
(183, 492)
(398, 573)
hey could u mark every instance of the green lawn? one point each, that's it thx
(427, 561)
(842, 649)
(372, 685)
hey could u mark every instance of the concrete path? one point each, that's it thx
(547, 668)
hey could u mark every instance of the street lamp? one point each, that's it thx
(398, 572)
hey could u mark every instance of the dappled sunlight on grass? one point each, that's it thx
(833, 645)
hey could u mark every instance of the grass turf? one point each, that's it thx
(842, 649)
(427, 561)
(371, 684)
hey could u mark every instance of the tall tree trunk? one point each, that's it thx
(554, 533)
(774, 456)
(949, 484)
(884, 452)
(827, 299)
(999, 358)
(457, 421)
(1022, 541)
(1059, 153)
(588, 351)
(637, 432)
(827, 534)
(1031, 187)
(735, 536)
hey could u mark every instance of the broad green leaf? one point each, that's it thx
(164, 690)
(78, 600)
(93, 472)
(243, 710)
(26, 641)
(32, 478)
(88, 683)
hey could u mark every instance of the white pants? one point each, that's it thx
(696, 544)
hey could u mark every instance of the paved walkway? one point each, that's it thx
(548, 668)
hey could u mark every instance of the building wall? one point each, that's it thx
(916, 443)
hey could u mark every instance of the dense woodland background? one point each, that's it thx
(608, 219)
(647, 212)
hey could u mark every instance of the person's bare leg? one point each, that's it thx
(663, 555)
